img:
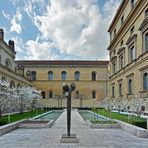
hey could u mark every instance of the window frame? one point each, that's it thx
(93, 76)
(93, 94)
(132, 53)
(43, 94)
(146, 42)
(33, 75)
(64, 75)
(50, 75)
(145, 82)
(50, 94)
(130, 86)
(77, 75)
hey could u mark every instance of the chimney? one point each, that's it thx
(2, 34)
(11, 44)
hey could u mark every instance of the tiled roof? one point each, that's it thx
(60, 62)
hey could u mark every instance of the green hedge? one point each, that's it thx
(140, 124)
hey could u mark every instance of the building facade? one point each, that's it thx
(128, 50)
(90, 78)
(8, 68)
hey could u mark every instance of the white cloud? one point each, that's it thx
(76, 27)
(15, 22)
(19, 44)
(6, 15)
(39, 50)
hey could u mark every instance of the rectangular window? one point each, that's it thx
(50, 94)
(114, 68)
(113, 91)
(120, 89)
(94, 95)
(132, 30)
(146, 42)
(130, 86)
(121, 62)
(122, 20)
(132, 53)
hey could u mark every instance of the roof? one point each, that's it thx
(2, 41)
(61, 62)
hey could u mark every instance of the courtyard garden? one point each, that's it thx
(128, 118)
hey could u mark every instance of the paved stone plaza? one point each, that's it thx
(88, 138)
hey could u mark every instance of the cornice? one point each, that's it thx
(113, 58)
(132, 37)
(12, 74)
(143, 24)
(122, 49)
(65, 66)
(131, 16)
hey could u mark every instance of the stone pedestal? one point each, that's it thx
(69, 139)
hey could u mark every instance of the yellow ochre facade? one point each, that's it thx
(90, 78)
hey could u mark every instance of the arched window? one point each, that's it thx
(93, 74)
(64, 74)
(43, 94)
(130, 86)
(145, 81)
(94, 94)
(77, 75)
(146, 42)
(7, 63)
(146, 13)
(50, 75)
(50, 94)
(33, 75)
(12, 84)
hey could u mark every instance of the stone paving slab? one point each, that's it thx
(88, 137)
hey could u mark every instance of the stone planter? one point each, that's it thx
(92, 125)
(36, 124)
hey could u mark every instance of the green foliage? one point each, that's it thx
(20, 116)
(3, 122)
(135, 120)
(140, 124)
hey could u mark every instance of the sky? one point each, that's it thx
(58, 29)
